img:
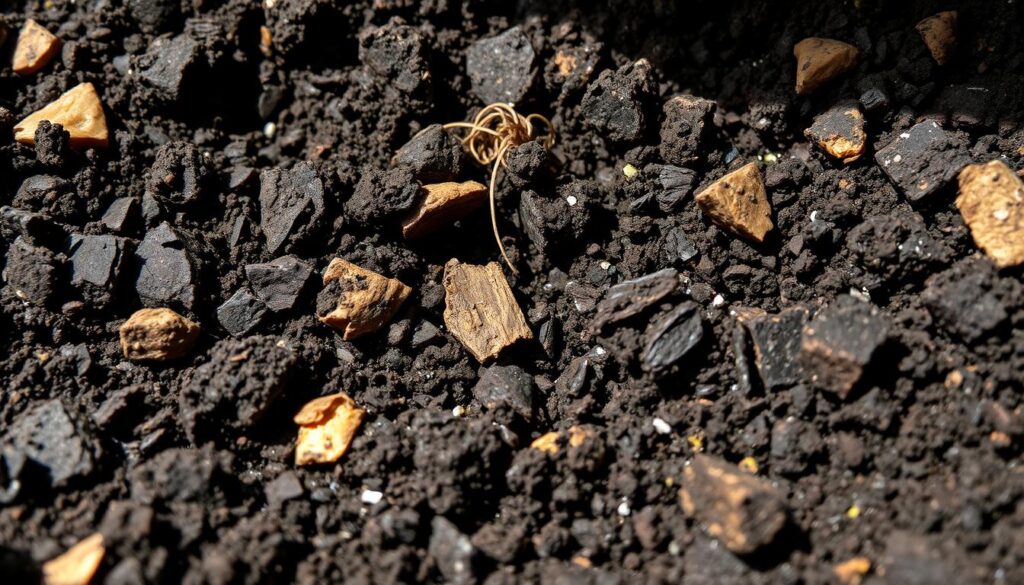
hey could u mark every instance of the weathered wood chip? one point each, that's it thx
(326, 428)
(442, 204)
(158, 335)
(839, 131)
(357, 301)
(630, 297)
(35, 49)
(480, 310)
(738, 202)
(852, 572)
(818, 61)
(939, 34)
(78, 564)
(991, 200)
(78, 110)
(744, 512)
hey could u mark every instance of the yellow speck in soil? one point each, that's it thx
(749, 464)
(853, 512)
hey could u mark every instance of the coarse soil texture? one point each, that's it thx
(763, 323)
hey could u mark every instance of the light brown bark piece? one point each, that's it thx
(743, 511)
(548, 442)
(78, 564)
(366, 300)
(852, 572)
(480, 310)
(157, 335)
(991, 200)
(443, 204)
(326, 428)
(35, 49)
(738, 203)
(839, 131)
(78, 110)
(939, 34)
(818, 61)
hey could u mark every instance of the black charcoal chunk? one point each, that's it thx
(178, 174)
(426, 333)
(242, 313)
(52, 144)
(168, 272)
(838, 344)
(506, 388)
(453, 552)
(280, 282)
(670, 337)
(31, 272)
(501, 68)
(233, 391)
(121, 215)
(631, 297)
(676, 185)
(777, 346)
(923, 159)
(433, 155)
(98, 262)
(686, 124)
(50, 436)
(291, 204)
(167, 64)
(398, 53)
(678, 246)
(617, 103)
(382, 195)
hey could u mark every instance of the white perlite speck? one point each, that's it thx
(371, 497)
(717, 301)
(623, 509)
(269, 129)
(571, 200)
(661, 426)
(459, 410)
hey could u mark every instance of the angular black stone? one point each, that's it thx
(291, 204)
(676, 185)
(433, 155)
(242, 313)
(923, 159)
(426, 333)
(501, 68)
(49, 435)
(167, 64)
(777, 346)
(616, 104)
(678, 247)
(630, 297)
(280, 282)
(98, 261)
(168, 271)
(506, 388)
(121, 215)
(840, 342)
(670, 337)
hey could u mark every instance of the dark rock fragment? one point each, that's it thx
(501, 68)
(121, 215)
(232, 392)
(184, 475)
(433, 155)
(178, 173)
(777, 346)
(839, 131)
(963, 301)
(452, 551)
(380, 195)
(839, 343)
(687, 119)
(168, 272)
(794, 445)
(678, 247)
(283, 488)
(291, 204)
(31, 272)
(506, 388)
(676, 185)
(242, 313)
(670, 337)
(97, 264)
(155, 16)
(36, 228)
(398, 53)
(426, 333)
(168, 63)
(631, 297)
(50, 436)
(280, 282)
(616, 103)
(52, 144)
(923, 159)
(48, 194)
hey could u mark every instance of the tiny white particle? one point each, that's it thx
(897, 158)
(459, 410)
(674, 549)
(718, 301)
(623, 509)
(1001, 214)
(571, 200)
(905, 135)
(599, 350)
(605, 265)
(371, 497)
(661, 426)
(270, 129)
(814, 215)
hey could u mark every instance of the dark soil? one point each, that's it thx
(235, 173)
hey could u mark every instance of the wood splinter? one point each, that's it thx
(480, 310)
(357, 301)
(78, 564)
(443, 204)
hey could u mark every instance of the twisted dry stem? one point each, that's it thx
(494, 130)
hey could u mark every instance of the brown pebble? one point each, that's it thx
(158, 335)
(443, 204)
(839, 131)
(939, 34)
(480, 310)
(78, 110)
(326, 428)
(852, 571)
(818, 61)
(991, 201)
(35, 49)
(743, 511)
(366, 300)
(78, 565)
(739, 203)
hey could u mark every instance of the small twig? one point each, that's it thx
(494, 130)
